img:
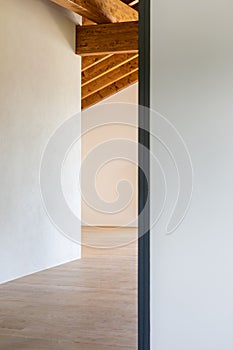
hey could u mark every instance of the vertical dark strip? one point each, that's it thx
(144, 179)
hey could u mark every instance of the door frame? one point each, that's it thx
(144, 179)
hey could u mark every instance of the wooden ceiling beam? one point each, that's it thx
(107, 38)
(115, 87)
(110, 77)
(105, 66)
(90, 61)
(133, 3)
(101, 11)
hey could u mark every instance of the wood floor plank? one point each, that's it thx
(88, 304)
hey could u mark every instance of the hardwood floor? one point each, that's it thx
(88, 304)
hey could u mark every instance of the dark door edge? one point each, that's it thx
(144, 179)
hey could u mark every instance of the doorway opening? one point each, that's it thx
(101, 300)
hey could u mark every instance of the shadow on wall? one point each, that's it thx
(61, 25)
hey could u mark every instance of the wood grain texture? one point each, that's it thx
(90, 61)
(101, 11)
(88, 304)
(106, 66)
(107, 38)
(111, 237)
(110, 77)
(93, 67)
(118, 85)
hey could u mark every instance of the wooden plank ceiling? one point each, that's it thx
(105, 75)
(108, 46)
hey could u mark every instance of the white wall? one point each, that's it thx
(40, 88)
(115, 171)
(192, 85)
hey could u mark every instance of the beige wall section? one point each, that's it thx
(113, 172)
(40, 88)
(192, 86)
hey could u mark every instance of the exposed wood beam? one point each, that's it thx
(133, 3)
(101, 11)
(90, 61)
(107, 38)
(105, 66)
(87, 22)
(110, 77)
(110, 90)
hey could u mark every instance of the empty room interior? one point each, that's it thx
(68, 271)
(116, 175)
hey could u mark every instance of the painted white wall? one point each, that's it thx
(192, 86)
(40, 88)
(115, 171)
